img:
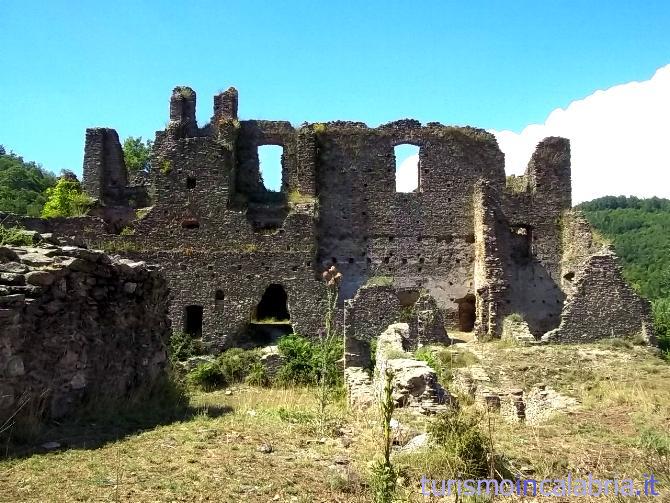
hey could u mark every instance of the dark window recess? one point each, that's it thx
(190, 223)
(273, 304)
(219, 296)
(408, 298)
(190, 182)
(521, 243)
(193, 320)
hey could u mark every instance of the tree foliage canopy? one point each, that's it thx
(22, 185)
(66, 199)
(640, 232)
(136, 154)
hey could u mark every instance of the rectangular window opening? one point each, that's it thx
(193, 320)
(270, 165)
(406, 168)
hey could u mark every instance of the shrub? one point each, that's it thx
(298, 366)
(236, 364)
(231, 367)
(661, 312)
(183, 346)
(305, 361)
(207, 376)
(257, 375)
(425, 354)
(66, 199)
(458, 433)
(15, 236)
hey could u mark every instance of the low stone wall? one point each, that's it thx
(77, 325)
(415, 383)
(374, 308)
(516, 330)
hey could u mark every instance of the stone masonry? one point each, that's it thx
(76, 326)
(475, 245)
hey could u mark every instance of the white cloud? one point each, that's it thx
(619, 140)
(407, 175)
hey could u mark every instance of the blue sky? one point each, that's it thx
(68, 65)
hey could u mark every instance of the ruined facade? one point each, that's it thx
(478, 244)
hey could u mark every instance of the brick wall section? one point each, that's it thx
(75, 324)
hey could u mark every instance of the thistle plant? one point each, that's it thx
(383, 480)
(328, 336)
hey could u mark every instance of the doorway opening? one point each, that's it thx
(466, 313)
(193, 320)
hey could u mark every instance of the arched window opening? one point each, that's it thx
(273, 306)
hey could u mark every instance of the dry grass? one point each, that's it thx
(621, 429)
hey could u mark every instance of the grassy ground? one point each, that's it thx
(216, 452)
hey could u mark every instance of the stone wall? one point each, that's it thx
(77, 325)
(481, 246)
(375, 307)
(602, 305)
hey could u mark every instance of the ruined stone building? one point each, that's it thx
(468, 247)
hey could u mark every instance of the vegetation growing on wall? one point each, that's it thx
(15, 236)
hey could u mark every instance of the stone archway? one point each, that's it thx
(273, 304)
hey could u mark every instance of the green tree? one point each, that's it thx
(136, 154)
(66, 199)
(22, 185)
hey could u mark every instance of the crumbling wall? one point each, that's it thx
(419, 239)
(105, 173)
(488, 267)
(472, 239)
(578, 244)
(414, 383)
(375, 307)
(602, 305)
(76, 325)
(221, 246)
(531, 245)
